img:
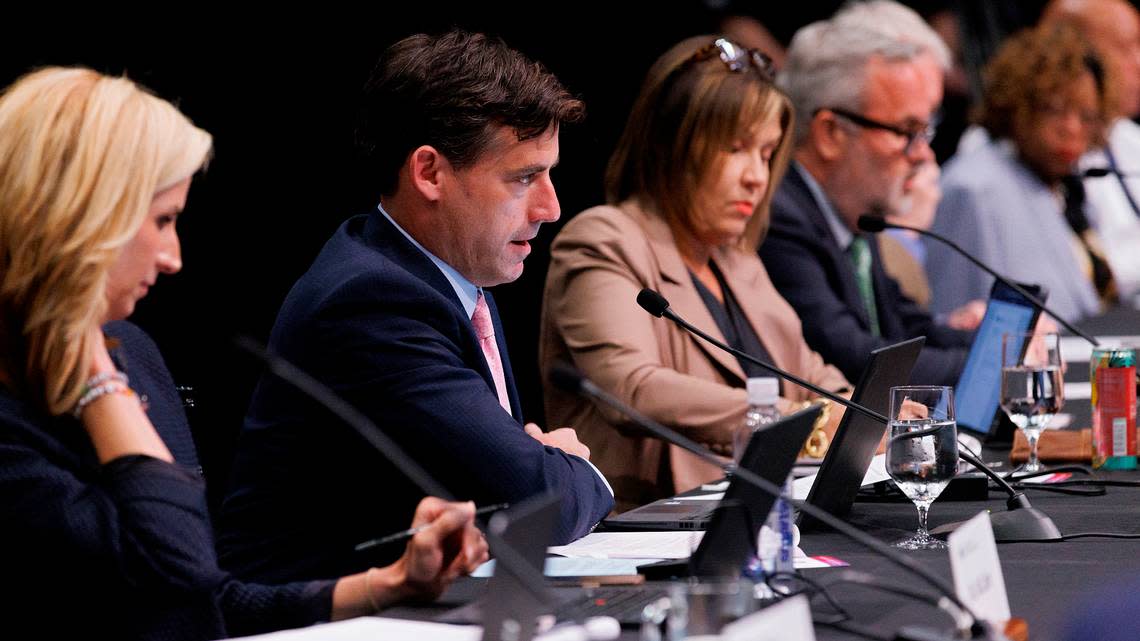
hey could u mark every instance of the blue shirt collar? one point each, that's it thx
(467, 292)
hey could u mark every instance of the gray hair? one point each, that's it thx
(897, 21)
(827, 60)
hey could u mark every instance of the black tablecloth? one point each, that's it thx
(1044, 580)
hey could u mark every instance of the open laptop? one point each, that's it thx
(771, 452)
(726, 546)
(508, 609)
(733, 526)
(977, 396)
(735, 520)
(857, 437)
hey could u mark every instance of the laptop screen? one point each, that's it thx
(978, 392)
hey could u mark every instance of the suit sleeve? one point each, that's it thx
(400, 361)
(796, 268)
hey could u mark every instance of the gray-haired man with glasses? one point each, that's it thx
(866, 86)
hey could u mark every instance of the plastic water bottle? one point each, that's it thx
(762, 396)
(776, 544)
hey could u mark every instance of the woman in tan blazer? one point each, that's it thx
(689, 186)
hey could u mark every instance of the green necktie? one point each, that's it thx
(860, 254)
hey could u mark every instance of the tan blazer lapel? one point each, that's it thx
(677, 287)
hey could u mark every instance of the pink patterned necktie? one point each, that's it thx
(485, 330)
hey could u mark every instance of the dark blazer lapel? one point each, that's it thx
(385, 238)
(840, 264)
(743, 279)
(382, 235)
(677, 287)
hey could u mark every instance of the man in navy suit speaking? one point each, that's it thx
(461, 133)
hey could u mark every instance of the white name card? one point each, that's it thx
(788, 620)
(978, 580)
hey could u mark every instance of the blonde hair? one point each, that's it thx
(81, 157)
(687, 113)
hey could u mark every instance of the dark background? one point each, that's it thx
(278, 92)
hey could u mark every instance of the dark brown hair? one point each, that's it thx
(687, 113)
(452, 92)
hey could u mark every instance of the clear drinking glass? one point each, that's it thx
(922, 451)
(1032, 386)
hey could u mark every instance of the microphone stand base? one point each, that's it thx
(1022, 524)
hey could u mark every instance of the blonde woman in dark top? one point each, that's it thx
(105, 524)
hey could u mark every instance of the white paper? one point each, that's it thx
(372, 628)
(805, 562)
(632, 545)
(978, 579)
(800, 471)
(1055, 477)
(876, 471)
(712, 496)
(558, 566)
(788, 620)
(1078, 391)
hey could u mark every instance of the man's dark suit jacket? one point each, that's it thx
(815, 275)
(379, 323)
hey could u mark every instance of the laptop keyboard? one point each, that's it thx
(622, 603)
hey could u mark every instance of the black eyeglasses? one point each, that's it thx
(921, 132)
(734, 56)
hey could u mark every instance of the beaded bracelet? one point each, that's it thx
(103, 377)
(92, 393)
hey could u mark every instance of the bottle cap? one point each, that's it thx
(763, 391)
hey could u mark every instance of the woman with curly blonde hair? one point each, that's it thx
(104, 511)
(1015, 201)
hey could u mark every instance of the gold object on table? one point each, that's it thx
(817, 442)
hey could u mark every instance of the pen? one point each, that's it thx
(412, 531)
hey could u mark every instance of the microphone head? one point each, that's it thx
(652, 302)
(872, 224)
(565, 377)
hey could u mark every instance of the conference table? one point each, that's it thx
(1046, 581)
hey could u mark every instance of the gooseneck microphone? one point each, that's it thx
(656, 304)
(1101, 172)
(875, 224)
(1021, 522)
(567, 378)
